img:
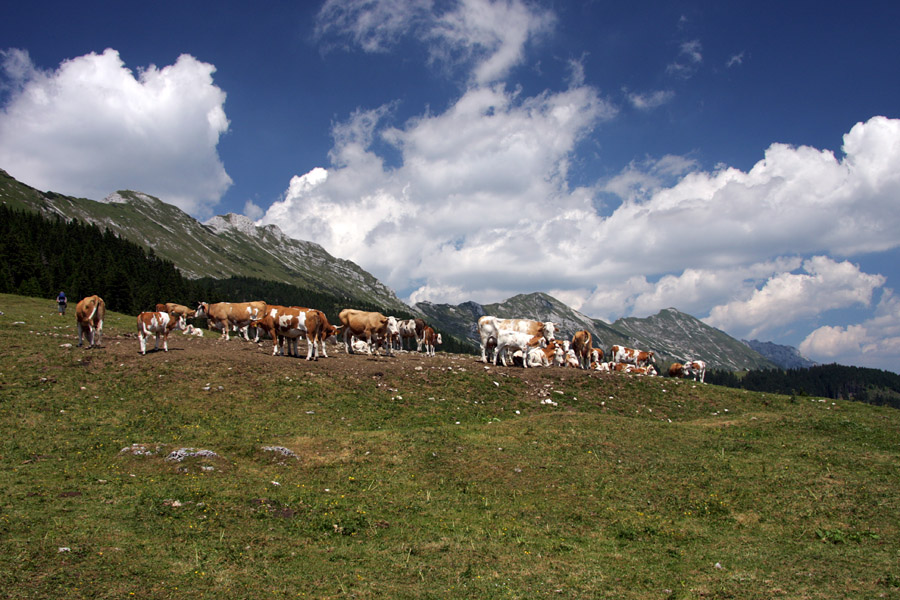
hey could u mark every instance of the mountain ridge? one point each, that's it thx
(232, 244)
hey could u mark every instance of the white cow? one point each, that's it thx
(696, 369)
(511, 341)
(490, 327)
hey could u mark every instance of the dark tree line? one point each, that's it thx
(872, 386)
(41, 256)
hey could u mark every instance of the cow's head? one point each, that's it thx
(202, 310)
(549, 330)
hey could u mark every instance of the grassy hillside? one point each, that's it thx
(411, 477)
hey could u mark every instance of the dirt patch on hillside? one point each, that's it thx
(239, 357)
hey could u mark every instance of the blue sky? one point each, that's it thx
(739, 161)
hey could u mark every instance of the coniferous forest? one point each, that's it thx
(41, 257)
(872, 386)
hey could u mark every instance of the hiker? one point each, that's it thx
(62, 302)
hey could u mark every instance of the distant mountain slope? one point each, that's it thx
(224, 246)
(673, 335)
(786, 357)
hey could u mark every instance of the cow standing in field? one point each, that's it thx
(676, 370)
(411, 328)
(431, 340)
(288, 324)
(160, 324)
(581, 345)
(696, 369)
(489, 329)
(222, 315)
(630, 356)
(176, 310)
(89, 313)
(512, 341)
(367, 325)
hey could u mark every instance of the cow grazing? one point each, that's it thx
(490, 327)
(512, 341)
(177, 310)
(222, 315)
(431, 339)
(638, 358)
(368, 325)
(581, 345)
(696, 369)
(287, 325)
(160, 324)
(89, 313)
(676, 370)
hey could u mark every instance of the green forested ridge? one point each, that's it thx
(40, 257)
(872, 386)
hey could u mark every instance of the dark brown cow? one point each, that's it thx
(179, 310)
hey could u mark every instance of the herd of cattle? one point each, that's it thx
(531, 343)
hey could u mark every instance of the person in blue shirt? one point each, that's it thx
(62, 302)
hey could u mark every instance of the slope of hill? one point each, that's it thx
(224, 246)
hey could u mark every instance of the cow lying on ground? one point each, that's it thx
(158, 323)
(89, 313)
(552, 354)
(490, 327)
(638, 358)
(367, 325)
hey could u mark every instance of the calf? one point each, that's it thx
(431, 340)
(159, 323)
(510, 341)
(552, 354)
(89, 315)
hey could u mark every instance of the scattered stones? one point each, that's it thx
(184, 453)
(140, 449)
(286, 452)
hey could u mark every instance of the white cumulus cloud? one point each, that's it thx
(92, 127)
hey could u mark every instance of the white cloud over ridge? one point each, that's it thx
(92, 127)
(481, 206)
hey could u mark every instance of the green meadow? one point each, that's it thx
(218, 471)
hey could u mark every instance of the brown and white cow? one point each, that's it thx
(696, 369)
(328, 333)
(89, 313)
(178, 310)
(412, 328)
(676, 370)
(552, 354)
(222, 315)
(490, 327)
(431, 339)
(287, 325)
(367, 325)
(581, 345)
(638, 358)
(160, 324)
